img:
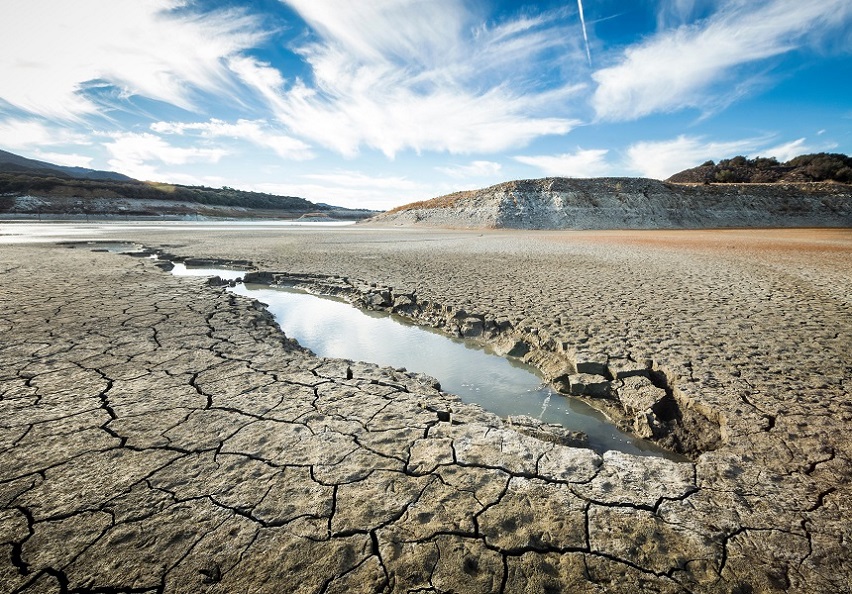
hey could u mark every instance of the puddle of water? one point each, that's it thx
(182, 269)
(331, 327)
(113, 247)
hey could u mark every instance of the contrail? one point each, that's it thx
(585, 36)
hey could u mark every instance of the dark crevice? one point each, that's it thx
(193, 381)
(821, 499)
(505, 577)
(17, 547)
(377, 553)
(809, 470)
(333, 505)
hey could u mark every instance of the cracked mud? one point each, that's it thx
(161, 435)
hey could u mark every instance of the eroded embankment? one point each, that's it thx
(631, 203)
(637, 395)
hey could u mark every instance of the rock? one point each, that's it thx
(622, 368)
(548, 431)
(594, 364)
(471, 326)
(637, 394)
(403, 301)
(587, 384)
(648, 425)
(217, 281)
(518, 349)
(378, 299)
(640, 397)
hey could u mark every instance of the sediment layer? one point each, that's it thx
(631, 203)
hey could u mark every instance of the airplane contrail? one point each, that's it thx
(585, 36)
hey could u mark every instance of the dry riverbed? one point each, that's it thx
(160, 434)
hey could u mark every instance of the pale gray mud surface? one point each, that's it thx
(161, 435)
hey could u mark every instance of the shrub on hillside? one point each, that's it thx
(816, 167)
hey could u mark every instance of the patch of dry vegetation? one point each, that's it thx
(447, 201)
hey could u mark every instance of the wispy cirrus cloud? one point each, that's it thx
(404, 74)
(158, 49)
(69, 159)
(684, 67)
(353, 189)
(581, 163)
(662, 159)
(257, 132)
(787, 150)
(472, 169)
(140, 155)
(674, 13)
(21, 134)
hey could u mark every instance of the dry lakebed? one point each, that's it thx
(160, 434)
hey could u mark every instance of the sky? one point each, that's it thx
(377, 103)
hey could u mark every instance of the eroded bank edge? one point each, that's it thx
(640, 396)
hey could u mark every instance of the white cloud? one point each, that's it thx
(682, 67)
(472, 169)
(254, 131)
(135, 155)
(51, 50)
(71, 160)
(18, 134)
(356, 179)
(582, 163)
(788, 150)
(678, 12)
(662, 159)
(353, 189)
(405, 74)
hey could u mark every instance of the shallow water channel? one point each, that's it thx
(331, 327)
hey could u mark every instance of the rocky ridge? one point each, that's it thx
(35, 189)
(631, 203)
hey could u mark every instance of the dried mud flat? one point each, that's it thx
(160, 435)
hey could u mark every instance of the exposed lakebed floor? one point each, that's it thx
(161, 435)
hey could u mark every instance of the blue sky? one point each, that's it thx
(375, 103)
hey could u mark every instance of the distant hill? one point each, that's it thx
(29, 187)
(630, 203)
(10, 162)
(818, 167)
